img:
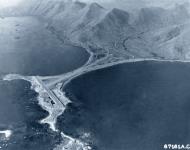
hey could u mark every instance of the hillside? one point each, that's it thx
(155, 32)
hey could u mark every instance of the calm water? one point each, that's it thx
(134, 106)
(20, 113)
(27, 48)
(19, 110)
(47, 62)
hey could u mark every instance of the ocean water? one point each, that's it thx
(27, 48)
(19, 109)
(132, 106)
(20, 113)
(47, 62)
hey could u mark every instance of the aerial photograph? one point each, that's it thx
(94, 74)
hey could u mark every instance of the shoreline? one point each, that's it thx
(85, 145)
(99, 67)
(43, 99)
(59, 107)
(69, 77)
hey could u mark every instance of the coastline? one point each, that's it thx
(59, 108)
(99, 67)
(51, 90)
(142, 81)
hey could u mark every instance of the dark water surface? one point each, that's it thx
(20, 113)
(43, 62)
(133, 106)
(28, 48)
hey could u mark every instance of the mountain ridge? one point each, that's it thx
(95, 26)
